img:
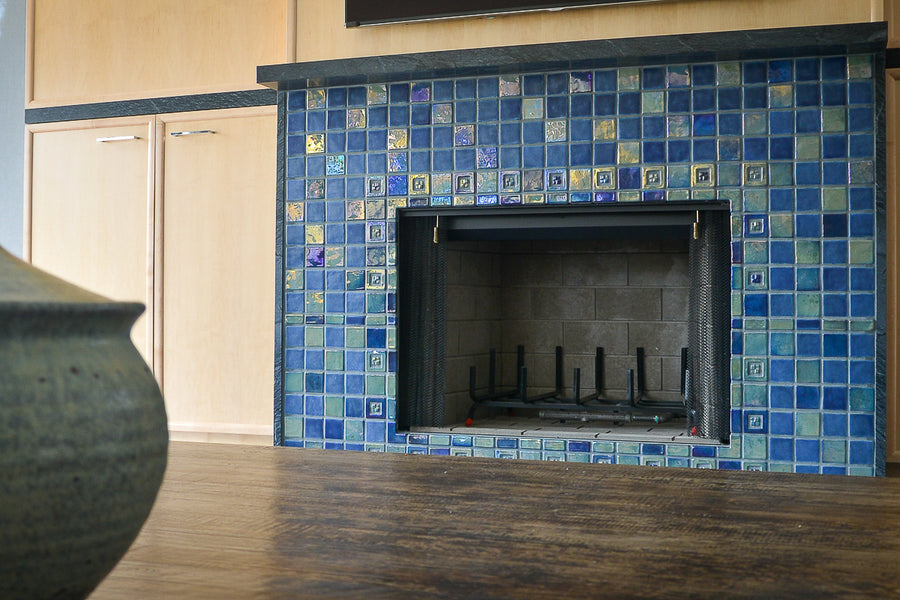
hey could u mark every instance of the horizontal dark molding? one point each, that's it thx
(151, 106)
(729, 45)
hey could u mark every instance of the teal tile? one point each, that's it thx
(807, 424)
(755, 446)
(808, 371)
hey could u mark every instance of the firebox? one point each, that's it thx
(601, 314)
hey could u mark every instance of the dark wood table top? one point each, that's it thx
(249, 522)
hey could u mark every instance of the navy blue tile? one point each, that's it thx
(834, 371)
(356, 96)
(808, 173)
(533, 85)
(781, 396)
(781, 148)
(807, 450)
(755, 72)
(377, 117)
(704, 124)
(808, 199)
(441, 91)
(834, 67)
(755, 305)
(780, 71)
(533, 157)
(862, 146)
(807, 94)
(581, 130)
(703, 451)
(653, 78)
(465, 88)
(337, 119)
(862, 425)
(834, 225)
(781, 278)
(605, 153)
(533, 132)
(315, 120)
(679, 101)
(729, 98)
(834, 94)
(807, 226)
(510, 157)
(704, 149)
(557, 155)
(604, 104)
(654, 127)
(704, 99)
(654, 152)
(399, 116)
(834, 398)
(806, 69)
(861, 92)
(834, 425)
(703, 74)
(488, 87)
(629, 103)
(629, 178)
(629, 128)
(834, 305)
(557, 83)
(807, 397)
(781, 122)
(581, 155)
(834, 279)
(756, 97)
(580, 106)
(834, 344)
(510, 109)
(756, 149)
(781, 449)
(464, 112)
(860, 119)
(862, 225)
(464, 159)
(421, 114)
(862, 279)
(781, 305)
(781, 423)
(605, 81)
(809, 121)
(679, 151)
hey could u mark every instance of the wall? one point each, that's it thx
(321, 34)
(12, 123)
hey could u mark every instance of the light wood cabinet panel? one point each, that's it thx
(98, 50)
(91, 211)
(218, 274)
(321, 34)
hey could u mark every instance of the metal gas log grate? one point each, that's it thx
(636, 406)
(422, 238)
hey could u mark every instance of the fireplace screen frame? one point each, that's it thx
(422, 235)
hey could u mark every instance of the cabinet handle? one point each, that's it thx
(117, 138)
(195, 132)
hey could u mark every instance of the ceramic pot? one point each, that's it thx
(83, 435)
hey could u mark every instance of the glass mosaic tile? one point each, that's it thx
(790, 141)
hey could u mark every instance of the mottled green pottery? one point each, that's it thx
(83, 435)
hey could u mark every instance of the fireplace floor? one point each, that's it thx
(542, 428)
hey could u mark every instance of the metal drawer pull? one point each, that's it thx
(118, 138)
(196, 132)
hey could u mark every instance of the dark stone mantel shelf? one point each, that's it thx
(730, 45)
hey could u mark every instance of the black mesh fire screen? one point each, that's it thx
(422, 237)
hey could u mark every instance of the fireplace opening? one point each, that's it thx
(576, 319)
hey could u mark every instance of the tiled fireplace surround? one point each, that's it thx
(792, 138)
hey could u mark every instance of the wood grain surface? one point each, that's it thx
(255, 522)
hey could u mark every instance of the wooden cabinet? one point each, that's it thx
(91, 217)
(97, 50)
(218, 274)
(177, 212)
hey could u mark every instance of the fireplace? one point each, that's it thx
(495, 304)
(568, 171)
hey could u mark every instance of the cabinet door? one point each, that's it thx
(218, 274)
(91, 211)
